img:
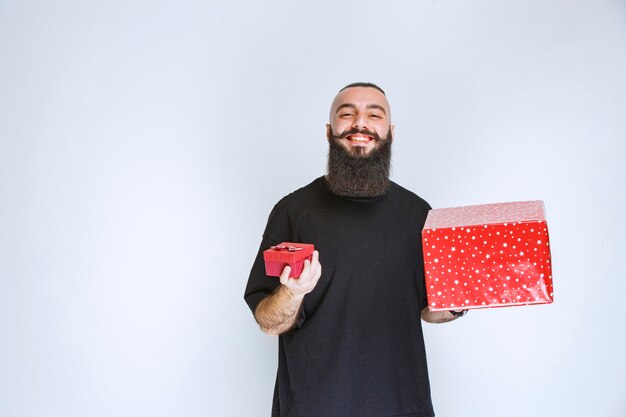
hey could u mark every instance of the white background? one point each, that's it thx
(143, 144)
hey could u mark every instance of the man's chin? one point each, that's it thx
(359, 150)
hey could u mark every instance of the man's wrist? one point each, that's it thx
(292, 295)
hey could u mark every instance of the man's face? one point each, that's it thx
(360, 118)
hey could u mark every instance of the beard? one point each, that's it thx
(356, 174)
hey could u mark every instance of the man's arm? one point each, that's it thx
(277, 313)
(438, 316)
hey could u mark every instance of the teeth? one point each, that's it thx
(359, 139)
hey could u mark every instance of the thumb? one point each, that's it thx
(284, 277)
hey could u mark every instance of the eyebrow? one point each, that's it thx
(369, 106)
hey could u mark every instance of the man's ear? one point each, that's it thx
(393, 134)
(328, 131)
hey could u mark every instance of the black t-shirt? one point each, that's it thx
(357, 349)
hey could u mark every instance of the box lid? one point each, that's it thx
(519, 211)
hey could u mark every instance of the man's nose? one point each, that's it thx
(360, 122)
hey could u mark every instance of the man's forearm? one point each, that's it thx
(277, 313)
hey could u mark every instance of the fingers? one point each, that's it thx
(315, 260)
(316, 267)
(316, 256)
(310, 268)
(311, 273)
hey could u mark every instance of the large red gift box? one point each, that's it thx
(287, 253)
(489, 255)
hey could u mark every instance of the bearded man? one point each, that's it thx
(350, 338)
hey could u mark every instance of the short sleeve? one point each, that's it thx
(260, 285)
(421, 281)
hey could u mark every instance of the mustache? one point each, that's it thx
(354, 132)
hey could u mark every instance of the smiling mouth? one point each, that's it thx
(359, 139)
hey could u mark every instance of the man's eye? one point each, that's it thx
(345, 115)
(375, 116)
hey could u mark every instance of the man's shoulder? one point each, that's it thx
(302, 195)
(407, 195)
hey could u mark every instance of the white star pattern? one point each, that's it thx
(491, 262)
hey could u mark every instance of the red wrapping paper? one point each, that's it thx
(489, 255)
(287, 253)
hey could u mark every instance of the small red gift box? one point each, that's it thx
(488, 255)
(287, 253)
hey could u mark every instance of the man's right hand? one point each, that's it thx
(308, 278)
(277, 313)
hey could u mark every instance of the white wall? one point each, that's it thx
(143, 144)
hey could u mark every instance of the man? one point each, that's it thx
(351, 342)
